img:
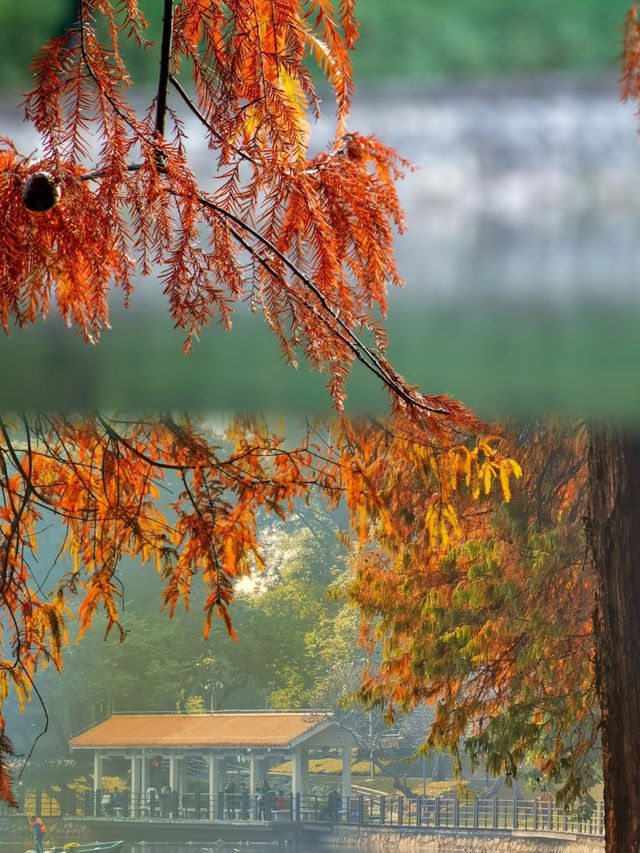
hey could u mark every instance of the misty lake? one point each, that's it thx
(521, 262)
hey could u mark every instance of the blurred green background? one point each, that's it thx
(418, 39)
(516, 361)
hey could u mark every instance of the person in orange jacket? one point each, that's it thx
(39, 830)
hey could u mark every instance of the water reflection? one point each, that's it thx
(223, 847)
(194, 847)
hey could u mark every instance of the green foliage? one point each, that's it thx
(416, 38)
(436, 38)
(292, 619)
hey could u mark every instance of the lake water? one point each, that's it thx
(521, 262)
(199, 847)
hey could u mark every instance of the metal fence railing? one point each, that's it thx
(363, 810)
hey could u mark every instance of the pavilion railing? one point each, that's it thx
(364, 810)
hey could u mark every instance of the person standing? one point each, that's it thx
(39, 830)
(106, 802)
(230, 799)
(165, 799)
(263, 791)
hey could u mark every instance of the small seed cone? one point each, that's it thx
(41, 192)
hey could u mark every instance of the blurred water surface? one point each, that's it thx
(199, 847)
(521, 262)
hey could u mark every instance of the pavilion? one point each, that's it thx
(264, 737)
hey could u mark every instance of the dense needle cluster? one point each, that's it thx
(308, 240)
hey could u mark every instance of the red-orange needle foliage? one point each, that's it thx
(630, 60)
(305, 238)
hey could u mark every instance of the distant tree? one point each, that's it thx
(293, 618)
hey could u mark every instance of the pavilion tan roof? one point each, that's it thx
(200, 730)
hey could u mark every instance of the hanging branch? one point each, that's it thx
(321, 229)
(165, 59)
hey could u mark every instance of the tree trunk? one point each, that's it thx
(614, 540)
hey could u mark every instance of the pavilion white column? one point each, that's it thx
(304, 770)
(97, 770)
(212, 783)
(346, 771)
(173, 776)
(296, 772)
(144, 773)
(135, 782)
(255, 772)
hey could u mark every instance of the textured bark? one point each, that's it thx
(614, 532)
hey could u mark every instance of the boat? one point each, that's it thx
(96, 847)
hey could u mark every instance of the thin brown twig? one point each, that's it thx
(362, 352)
(194, 109)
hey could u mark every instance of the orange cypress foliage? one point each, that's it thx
(630, 59)
(309, 240)
(502, 597)
(306, 239)
(173, 494)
